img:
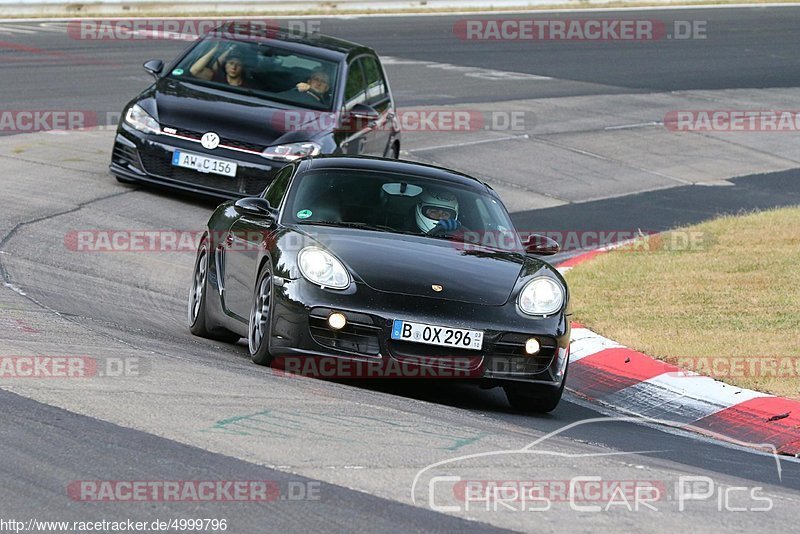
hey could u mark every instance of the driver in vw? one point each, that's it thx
(437, 212)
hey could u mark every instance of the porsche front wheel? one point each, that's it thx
(258, 330)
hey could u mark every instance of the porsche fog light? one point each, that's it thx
(541, 296)
(532, 346)
(337, 320)
(322, 268)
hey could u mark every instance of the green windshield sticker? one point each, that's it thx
(304, 214)
(177, 72)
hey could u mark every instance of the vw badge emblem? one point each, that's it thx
(210, 140)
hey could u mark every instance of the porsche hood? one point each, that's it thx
(413, 265)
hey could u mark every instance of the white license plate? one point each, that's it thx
(437, 335)
(203, 164)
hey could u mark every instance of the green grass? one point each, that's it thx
(732, 298)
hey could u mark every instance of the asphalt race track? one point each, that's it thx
(593, 155)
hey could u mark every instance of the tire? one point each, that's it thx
(197, 300)
(533, 397)
(258, 329)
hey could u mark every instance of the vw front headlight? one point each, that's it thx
(141, 120)
(291, 151)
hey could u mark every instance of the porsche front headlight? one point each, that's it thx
(541, 296)
(322, 268)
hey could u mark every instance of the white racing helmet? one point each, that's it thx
(435, 199)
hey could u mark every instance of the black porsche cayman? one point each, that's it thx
(386, 263)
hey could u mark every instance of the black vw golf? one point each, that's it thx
(384, 262)
(242, 101)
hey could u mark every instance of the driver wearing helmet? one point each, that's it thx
(437, 212)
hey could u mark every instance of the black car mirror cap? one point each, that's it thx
(154, 67)
(363, 111)
(541, 245)
(255, 206)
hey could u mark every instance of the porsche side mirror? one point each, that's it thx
(154, 67)
(255, 207)
(541, 245)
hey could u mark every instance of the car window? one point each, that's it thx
(390, 202)
(354, 87)
(376, 86)
(294, 61)
(277, 188)
(268, 71)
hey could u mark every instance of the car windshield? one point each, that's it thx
(402, 204)
(262, 70)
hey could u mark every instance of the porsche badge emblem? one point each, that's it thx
(436, 287)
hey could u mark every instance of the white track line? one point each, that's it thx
(14, 29)
(470, 143)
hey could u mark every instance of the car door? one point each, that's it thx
(377, 96)
(245, 241)
(355, 135)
